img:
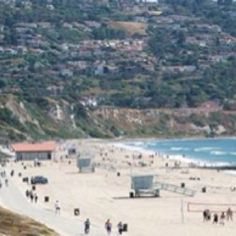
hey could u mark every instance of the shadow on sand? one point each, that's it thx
(134, 198)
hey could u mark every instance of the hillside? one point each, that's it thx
(13, 224)
(66, 67)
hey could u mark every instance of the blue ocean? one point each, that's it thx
(219, 151)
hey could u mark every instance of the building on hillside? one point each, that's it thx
(33, 151)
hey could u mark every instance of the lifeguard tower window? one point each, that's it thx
(143, 185)
(142, 182)
(85, 164)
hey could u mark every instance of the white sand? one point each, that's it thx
(102, 195)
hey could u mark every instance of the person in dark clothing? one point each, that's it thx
(31, 197)
(120, 228)
(27, 193)
(35, 198)
(215, 219)
(108, 226)
(229, 214)
(206, 215)
(86, 226)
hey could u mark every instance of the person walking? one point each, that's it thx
(87, 226)
(120, 228)
(229, 214)
(215, 218)
(31, 196)
(222, 218)
(35, 198)
(6, 182)
(108, 227)
(57, 207)
(206, 215)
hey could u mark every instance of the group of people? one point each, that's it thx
(32, 196)
(108, 227)
(218, 218)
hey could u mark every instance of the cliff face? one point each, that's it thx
(168, 122)
(21, 120)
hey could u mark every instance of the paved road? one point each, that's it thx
(13, 199)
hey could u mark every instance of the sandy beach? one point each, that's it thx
(105, 195)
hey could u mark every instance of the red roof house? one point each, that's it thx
(32, 151)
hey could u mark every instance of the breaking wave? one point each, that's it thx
(218, 153)
(179, 148)
(202, 149)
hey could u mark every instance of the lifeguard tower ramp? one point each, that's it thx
(142, 185)
(174, 188)
(85, 163)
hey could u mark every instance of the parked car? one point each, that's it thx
(39, 180)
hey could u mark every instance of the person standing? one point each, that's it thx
(6, 182)
(27, 193)
(35, 198)
(120, 228)
(108, 227)
(57, 207)
(87, 226)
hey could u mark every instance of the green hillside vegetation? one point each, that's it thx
(60, 61)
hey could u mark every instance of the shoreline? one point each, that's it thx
(177, 157)
(168, 138)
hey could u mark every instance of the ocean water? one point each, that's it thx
(219, 151)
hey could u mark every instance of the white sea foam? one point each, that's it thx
(202, 149)
(230, 172)
(218, 153)
(133, 148)
(179, 148)
(211, 159)
(150, 145)
(138, 144)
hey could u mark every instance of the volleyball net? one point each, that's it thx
(213, 207)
